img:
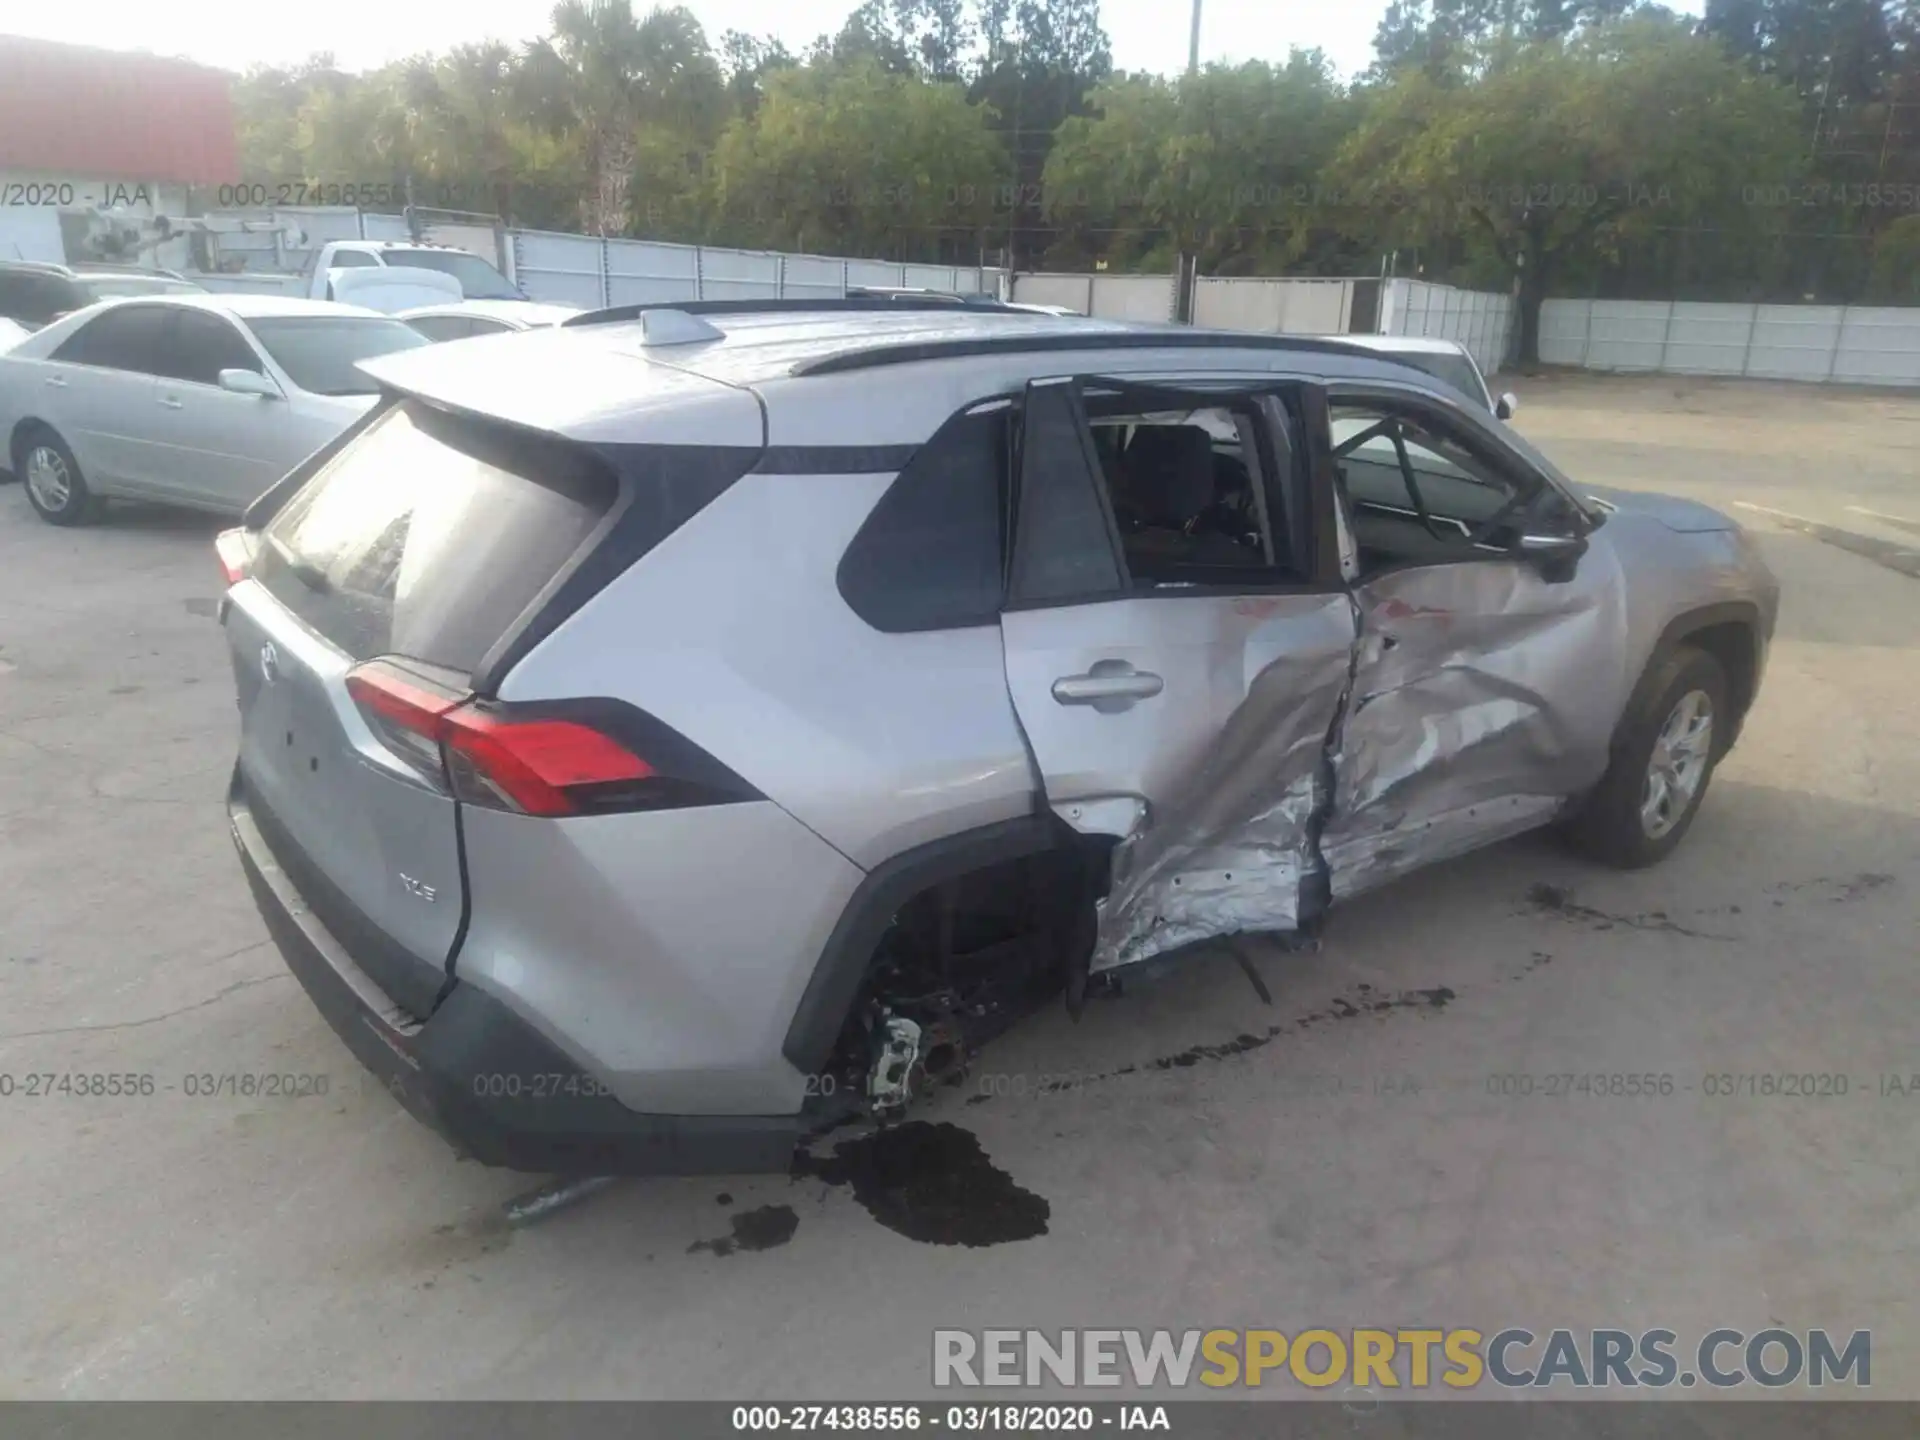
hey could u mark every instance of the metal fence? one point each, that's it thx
(590, 272)
(1277, 306)
(1293, 305)
(1480, 320)
(1111, 297)
(1842, 344)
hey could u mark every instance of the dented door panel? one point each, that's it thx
(1229, 846)
(1483, 698)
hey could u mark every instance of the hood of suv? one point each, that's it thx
(1688, 517)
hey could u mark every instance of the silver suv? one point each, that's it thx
(664, 732)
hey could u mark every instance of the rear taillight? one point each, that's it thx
(235, 550)
(490, 755)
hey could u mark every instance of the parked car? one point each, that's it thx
(1446, 360)
(33, 293)
(652, 748)
(466, 319)
(192, 399)
(478, 279)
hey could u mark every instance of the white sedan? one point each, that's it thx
(464, 319)
(196, 400)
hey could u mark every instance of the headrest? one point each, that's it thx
(1170, 470)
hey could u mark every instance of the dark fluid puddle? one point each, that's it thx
(760, 1229)
(932, 1183)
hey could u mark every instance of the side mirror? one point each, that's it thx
(1504, 407)
(1555, 556)
(249, 382)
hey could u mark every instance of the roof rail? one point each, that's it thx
(878, 356)
(615, 314)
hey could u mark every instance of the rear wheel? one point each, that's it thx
(1645, 803)
(55, 487)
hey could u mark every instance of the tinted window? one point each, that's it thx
(105, 287)
(442, 327)
(350, 259)
(928, 557)
(319, 352)
(124, 338)
(478, 280)
(34, 299)
(1064, 549)
(202, 345)
(427, 536)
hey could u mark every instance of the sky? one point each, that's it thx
(1146, 34)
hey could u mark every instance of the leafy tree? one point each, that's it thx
(858, 158)
(1228, 164)
(1571, 151)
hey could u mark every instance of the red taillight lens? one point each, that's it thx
(235, 550)
(537, 766)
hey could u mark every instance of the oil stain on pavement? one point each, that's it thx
(759, 1229)
(932, 1183)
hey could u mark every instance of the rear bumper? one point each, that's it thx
(496, 1088)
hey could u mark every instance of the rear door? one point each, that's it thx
(97, 390)
(1177, 643)
(215, 447)
(410, 554)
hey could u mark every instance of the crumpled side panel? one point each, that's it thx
(1482, 696)
(1231, 855)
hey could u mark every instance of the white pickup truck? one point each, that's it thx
(391, 276)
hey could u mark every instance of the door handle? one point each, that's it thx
(56, 383)
(1111, 685)
(171, 403)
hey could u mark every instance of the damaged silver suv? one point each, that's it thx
(664, 732)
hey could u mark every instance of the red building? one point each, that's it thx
(84, 130)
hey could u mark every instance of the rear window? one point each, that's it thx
(319, 352)
(429, 535)
(106, 287)
(1455, 370)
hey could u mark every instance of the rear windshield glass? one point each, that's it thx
(102, 287)
(478, 280)
(429, 535)
(318, 352)
(1456, 370)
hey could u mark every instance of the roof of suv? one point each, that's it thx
(584, 384)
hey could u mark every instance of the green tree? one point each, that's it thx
(1572, 151)
(861, 159)
(1228, 164)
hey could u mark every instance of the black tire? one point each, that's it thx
(81, 506)
(1610, 827)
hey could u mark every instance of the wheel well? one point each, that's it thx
(17, 440)
(1731, 643)
(962, 940)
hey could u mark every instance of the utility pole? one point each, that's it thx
(1187, 270)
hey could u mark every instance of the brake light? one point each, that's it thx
(235, 550)
(536, 766)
